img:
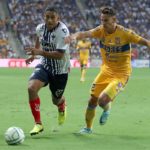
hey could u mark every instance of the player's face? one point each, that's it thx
(107, 21)
(51, 19)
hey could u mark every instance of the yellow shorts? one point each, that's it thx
(83, 60)
(111, 85)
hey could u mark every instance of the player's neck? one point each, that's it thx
(112, 29)
(53, 28)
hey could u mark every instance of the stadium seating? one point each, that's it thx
(131, 14)
(5, 49)
(26, 15)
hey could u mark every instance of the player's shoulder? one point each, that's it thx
(62, 28)
(62, 25)
(96, 30)
(99, 28)
(40, 27)
(123, 29)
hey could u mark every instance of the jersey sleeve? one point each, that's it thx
(60, 43)
(132, 36)
(39, 28)
(96, 32)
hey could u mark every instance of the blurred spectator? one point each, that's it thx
(134, 54)
(131, 14)
(4, 44)
(26, 14)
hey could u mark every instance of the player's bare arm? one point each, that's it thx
(144, 42)
(32, 57)
(78, 36)
(31, 51)
(37, 43)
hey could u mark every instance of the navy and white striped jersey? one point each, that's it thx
(52, 41)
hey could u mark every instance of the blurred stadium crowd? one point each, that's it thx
(26, 14)
(5, 49)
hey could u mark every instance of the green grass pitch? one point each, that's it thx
(128, 127)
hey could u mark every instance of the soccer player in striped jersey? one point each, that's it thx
(115, 44)
(54, 66)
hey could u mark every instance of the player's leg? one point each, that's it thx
(57, 87)
(90, 114)
(108, 95)
(93, 102)
(61, 105)
(81, 60)
(34, 101)
(83, 69)
(105, 103)
(83, 72)
(36, 82)
(90, 111)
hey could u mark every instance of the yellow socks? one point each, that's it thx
(89, 115)
(83, 74)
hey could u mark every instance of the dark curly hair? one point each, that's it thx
(108, 11)
(52, 8)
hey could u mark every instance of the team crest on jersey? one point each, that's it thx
(64, 30)
(117, 40)
(53, 37)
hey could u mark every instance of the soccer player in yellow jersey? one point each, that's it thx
(115, 47)
(83, 46)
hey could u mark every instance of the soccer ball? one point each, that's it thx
(14, 136)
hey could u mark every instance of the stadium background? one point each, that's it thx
(128, 125)
(18, 19)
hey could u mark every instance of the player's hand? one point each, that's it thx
(70, 39)
(29, 60)
(33, 51)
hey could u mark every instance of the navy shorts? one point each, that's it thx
(57, 83)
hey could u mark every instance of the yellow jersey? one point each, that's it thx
(84, 47)
(116, 49)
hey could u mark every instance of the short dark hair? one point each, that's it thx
(108, 11)
(52, 8)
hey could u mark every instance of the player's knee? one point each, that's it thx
(103, 100)
(84, 66)
(32, 89)
(93, 102)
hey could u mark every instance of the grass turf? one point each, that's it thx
(126, 129)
